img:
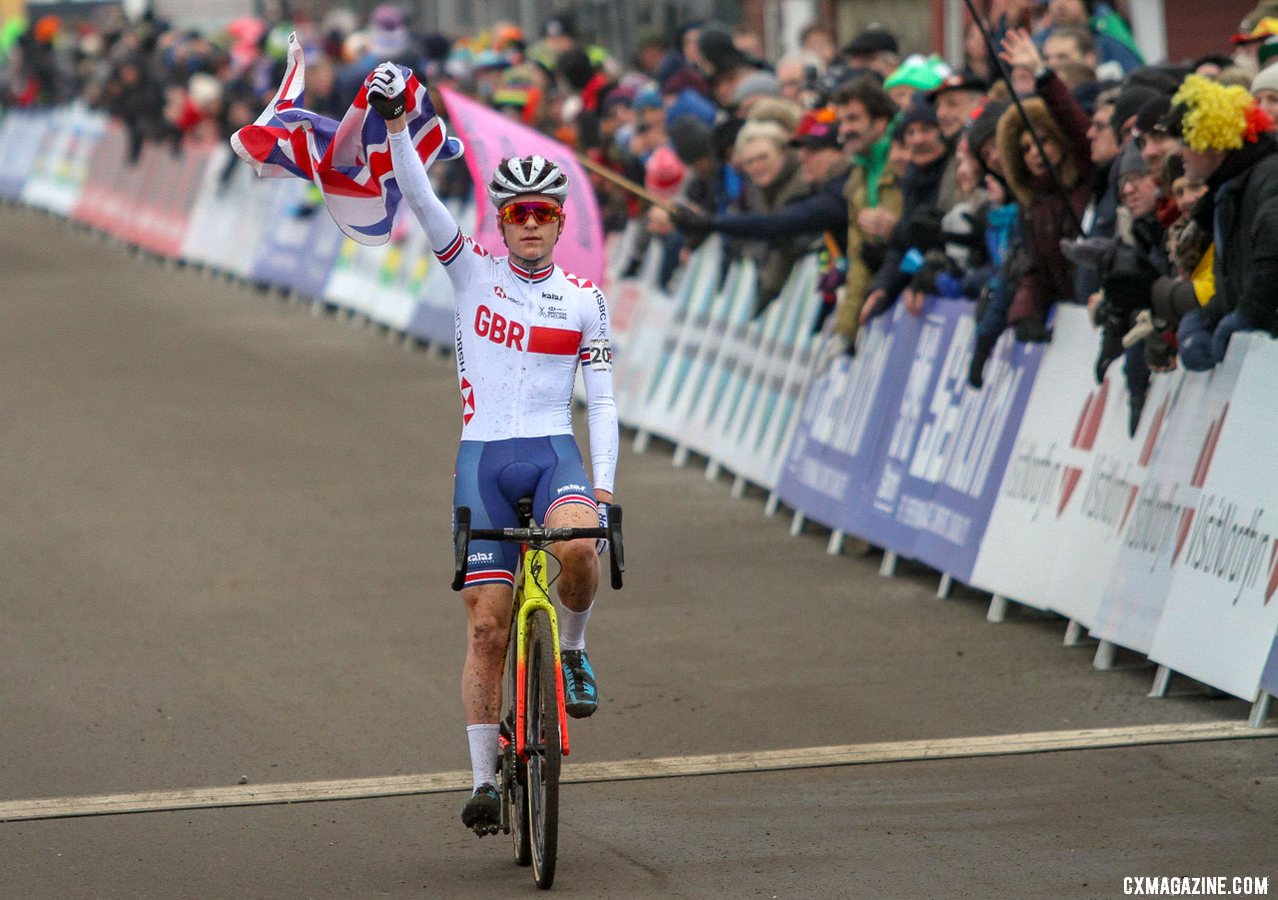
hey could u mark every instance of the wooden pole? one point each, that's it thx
(624, 183)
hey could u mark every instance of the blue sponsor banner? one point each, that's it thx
(964, 444)
(301, 244)
(837, 442)
(894, 447)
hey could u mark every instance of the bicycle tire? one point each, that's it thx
(541, 709)
(517, 796)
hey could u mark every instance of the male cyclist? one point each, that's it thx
(522, 326)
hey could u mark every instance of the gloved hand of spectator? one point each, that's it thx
(1127, 277)
(690, 220)
(923, 230)
(387, 91)
(1160, 351)
(924, 280)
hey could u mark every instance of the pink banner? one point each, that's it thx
(490, 137)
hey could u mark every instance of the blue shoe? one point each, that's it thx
(482, 812)
(581, 697)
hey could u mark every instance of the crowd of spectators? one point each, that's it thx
(1054, 166)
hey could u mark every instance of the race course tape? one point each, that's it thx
(637, 769)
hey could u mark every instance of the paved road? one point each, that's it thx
(224, 555)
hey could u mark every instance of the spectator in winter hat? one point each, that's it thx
(917, 73)
(1264, 87)
(875, 49)
(955, 98)
(389, 31)
(919, 226)
(664, 173)
(752, 88)
(559, 34)
(1151, 134)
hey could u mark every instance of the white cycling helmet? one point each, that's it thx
(527, 175)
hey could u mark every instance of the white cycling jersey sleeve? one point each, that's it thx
(601, 415)
(439, 224)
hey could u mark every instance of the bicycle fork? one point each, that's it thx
(535, 598)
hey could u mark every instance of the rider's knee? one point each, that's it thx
(578, 556)
(488, 635)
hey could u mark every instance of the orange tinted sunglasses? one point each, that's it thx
(543, 213)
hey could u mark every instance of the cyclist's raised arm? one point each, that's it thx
(386, 95)
(596, 372)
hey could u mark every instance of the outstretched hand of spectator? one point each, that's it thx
(387, 90)
(870, 307)
(691, 220)
(1019, 51)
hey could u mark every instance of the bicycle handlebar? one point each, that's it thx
(463, 535)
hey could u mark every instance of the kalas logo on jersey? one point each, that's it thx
(480, 557)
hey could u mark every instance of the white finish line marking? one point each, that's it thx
(628, 770)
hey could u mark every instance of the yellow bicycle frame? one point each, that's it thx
(534, 594)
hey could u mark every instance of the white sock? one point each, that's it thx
(483, 752)
(572, 628)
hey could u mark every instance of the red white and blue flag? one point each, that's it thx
(349, 161)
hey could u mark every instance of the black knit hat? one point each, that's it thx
(875, 39)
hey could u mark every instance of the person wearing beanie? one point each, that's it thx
(1227, 142)
(1126, 105)
(875, 49)
(1264, 87)
(917, 73)
(919, 228)
(752, 88)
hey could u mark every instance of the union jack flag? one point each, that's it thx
(349, 161)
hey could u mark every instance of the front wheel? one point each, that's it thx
(542, 740)
(515, 773)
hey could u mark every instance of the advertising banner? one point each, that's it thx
(21, 136)
(300, 246)
(1050, 455)
(1182, 428)
(1220, 619)
(62, 163)
(490, 137)
(837, 442)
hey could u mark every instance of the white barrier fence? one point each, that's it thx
(1166, 543)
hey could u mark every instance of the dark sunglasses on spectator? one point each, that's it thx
(543, 213)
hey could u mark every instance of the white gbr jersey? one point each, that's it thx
(520, 335)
